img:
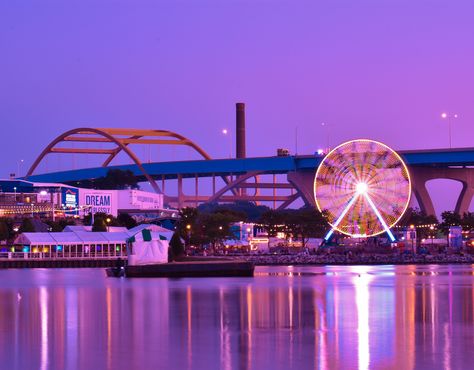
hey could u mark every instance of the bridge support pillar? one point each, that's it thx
(421, 192)
(303, 182)
(421, 175)
(180, 192)
(465, 198)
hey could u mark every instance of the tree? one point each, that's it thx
(124, 219)
(115, 179)
(59, 225)
(107, 219)
(449, 219)
(424, 224)
(187, 224)
(176, 247)
(467, 221)
(303, 223)
(4, 230)
(214, 228)
(99, 225)
(27, 226)
(273, 222)
(249, 211)
(307, 223)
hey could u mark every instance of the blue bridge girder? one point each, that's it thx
(463, 157)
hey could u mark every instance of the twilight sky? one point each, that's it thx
(367, 68)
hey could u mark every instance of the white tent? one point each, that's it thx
(147, 248)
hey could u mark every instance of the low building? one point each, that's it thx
(19, 198)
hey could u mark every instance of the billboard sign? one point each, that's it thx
(69, 198)
(99, 201)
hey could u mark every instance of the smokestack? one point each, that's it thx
(240, 130)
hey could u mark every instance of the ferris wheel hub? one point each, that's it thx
(362, 188)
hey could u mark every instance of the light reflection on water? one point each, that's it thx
(294, 317)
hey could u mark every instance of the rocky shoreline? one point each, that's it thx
(372, 259)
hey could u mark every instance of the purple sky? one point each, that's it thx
(378, 69)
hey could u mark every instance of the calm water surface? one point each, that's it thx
(378, 317)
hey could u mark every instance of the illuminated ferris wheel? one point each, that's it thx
(364, 186)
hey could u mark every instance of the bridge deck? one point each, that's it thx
(270, 165)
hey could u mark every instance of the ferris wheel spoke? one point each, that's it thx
(344, 212)
(379, 216)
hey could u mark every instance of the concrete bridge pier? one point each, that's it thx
(421, 175)
(303, 181)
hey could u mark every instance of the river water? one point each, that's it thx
(286, 317)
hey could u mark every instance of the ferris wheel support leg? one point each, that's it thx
(338, 221)
(379, 216)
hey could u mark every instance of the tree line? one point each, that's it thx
(211, 224)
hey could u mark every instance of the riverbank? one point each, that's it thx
(359, 259)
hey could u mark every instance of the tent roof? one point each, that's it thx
(80, 237)
(35, 238)
(89, 237)
(151, 227)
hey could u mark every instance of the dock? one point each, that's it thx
(58, 263)
(207, 268)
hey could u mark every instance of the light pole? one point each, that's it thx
(226, 132)
(32, 205)
(188, 230)
(18, 167)
(92, 215)
(449, 117)
(14, 189)
(432, 235)
(325, 126)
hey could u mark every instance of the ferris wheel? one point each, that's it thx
(364, 186)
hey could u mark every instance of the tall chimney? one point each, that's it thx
(240, 130)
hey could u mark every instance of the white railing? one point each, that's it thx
(59, 256)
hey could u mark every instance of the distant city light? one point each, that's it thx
(445, 115)
(224, 131)
(320, 152)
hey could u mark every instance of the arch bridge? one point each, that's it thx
(286, 178)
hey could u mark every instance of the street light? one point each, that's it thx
(108, 222)
(448, 117)
(14, 189)
(325, 126)
(32, 205)
(226, 132)
(188, 233)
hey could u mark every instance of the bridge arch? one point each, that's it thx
(122, 138)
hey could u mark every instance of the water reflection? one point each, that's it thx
(363, 317)
(361, 283)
